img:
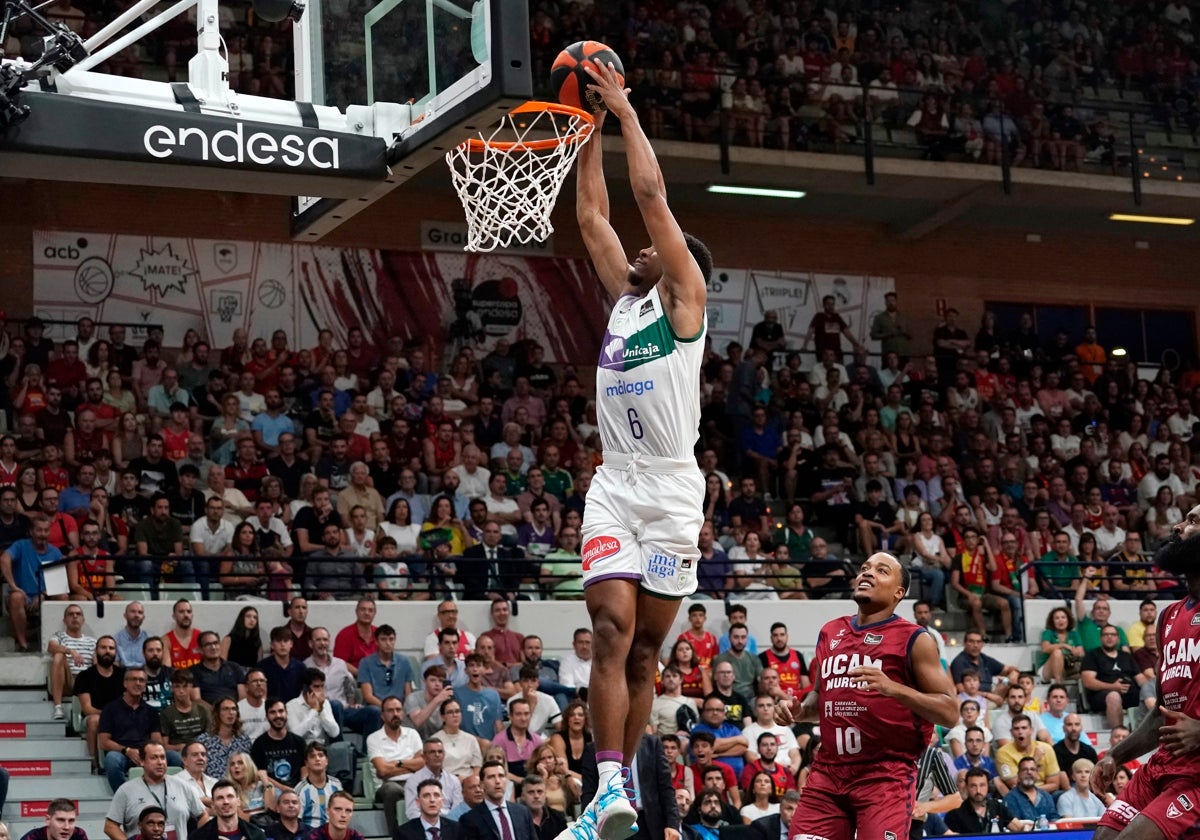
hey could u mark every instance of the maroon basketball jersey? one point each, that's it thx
(1178, 669)
(860, 726)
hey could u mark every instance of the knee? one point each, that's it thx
(114, 761)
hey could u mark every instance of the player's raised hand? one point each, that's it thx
(610, 87)
(1102, 775)
(873, 679)
(1181, 734)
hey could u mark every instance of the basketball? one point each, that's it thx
(569, 80)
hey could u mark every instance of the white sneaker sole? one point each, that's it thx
(617, 822)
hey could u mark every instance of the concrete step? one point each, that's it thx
(52, 749)
(37, 711)
(22, 670)
(19, 729)
(57, 767)
(82, 787)
(9, 696)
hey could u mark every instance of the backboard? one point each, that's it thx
(382, 88)
(462, 64)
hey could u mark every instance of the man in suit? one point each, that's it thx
(775, 827)
(429, 824)
(658, 813)
(490, 569)
(495, 818)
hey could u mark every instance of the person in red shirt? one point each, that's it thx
(703, 747)
(183, 640)
(826, 329)
(246, 472)
(53, 474)
(793, 673)
(767, 748)
(68, 372)
(880, 689)
(354, 641)
(702, 641)
(175, 433)
(969, 577)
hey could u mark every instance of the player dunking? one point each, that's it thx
(1163, 798)
(879, 688)
(644, 507)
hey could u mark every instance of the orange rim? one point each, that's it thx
(478, 144)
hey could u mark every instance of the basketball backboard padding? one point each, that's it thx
(453, 112)
(70, 138)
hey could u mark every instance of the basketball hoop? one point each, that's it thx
(508, 182)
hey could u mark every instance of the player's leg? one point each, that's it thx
(1140, 827)
(822, 813)
(655, 615)
(612, 606)
(883, 799)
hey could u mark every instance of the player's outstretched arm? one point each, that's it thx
(682, 283)
(591, 209)
(932, 695)
(1143, 739)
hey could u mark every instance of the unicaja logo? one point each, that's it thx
(232, 145)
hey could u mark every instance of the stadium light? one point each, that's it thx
(759, 192)
(1119, 352)
(1151, 220)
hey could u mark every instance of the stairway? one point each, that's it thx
(33, 748)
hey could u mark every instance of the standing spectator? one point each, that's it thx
(826, 329)
(950, 344)
(889, 330)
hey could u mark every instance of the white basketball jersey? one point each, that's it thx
(648, 382)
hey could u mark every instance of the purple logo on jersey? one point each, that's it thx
(873, 639)
(612, 352)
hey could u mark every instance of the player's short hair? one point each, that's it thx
(978, 772)
(705, 737)
(778, 625)
(280, 633)
(701, 254)
(966, 703)
(385, 630)
(767, 734)
(60, 806)
(978, 729)
(430, 783)
(443, 634)
(670, 739)
(694, 608)
(1021, 717)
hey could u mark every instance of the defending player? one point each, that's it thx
(644, 506)
(878, 689)
(1163, 798)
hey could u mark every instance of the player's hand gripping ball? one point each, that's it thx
(570, 81)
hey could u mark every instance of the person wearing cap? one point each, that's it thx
(39, 350)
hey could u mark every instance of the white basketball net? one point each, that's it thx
(509, 181)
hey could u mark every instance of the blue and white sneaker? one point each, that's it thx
(583, 828)
(616, 818)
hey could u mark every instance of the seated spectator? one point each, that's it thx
(463, 756)
(195, 762)
(710, 813)
(980, 809)
(354, 641)
(986, 667)
(1078, 800)
(23, 567)
(90, 568)
(543, 709)
(729, 745)
(334, 572)
(395, 753)
(1091, 622)
(255, 796)
(317, 786)
(284, 673)
(310, 715)
(482, 711)
(224, 736)
(183, 720)
(160, 536)
(764, 723)
(1014, 708)
(434, 770)
(384, 673)
(180, 798)
(969, 579)
(71, 653)
(213, 677)
(1028, 800)
(229, 813)
(61, 815)
(278, 751)
(1023, 746)
(1061, 647)
(969, 715)
(126, 725)
(287, 826)
(1110, 677)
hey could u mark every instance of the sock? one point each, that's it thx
(608, 765)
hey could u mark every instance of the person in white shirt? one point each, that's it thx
(1078, 800)
(764, 721)
(310, 716)
(212, 535)
(269, 529)
(253, 707)
(395, 753)
(473, 477)
(447, 618)
(543, 709)
(434, 753)
(575, 669)
(969, 716)
(1110, 536)
(195, 762)
(1002, 725)
(354, 717)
